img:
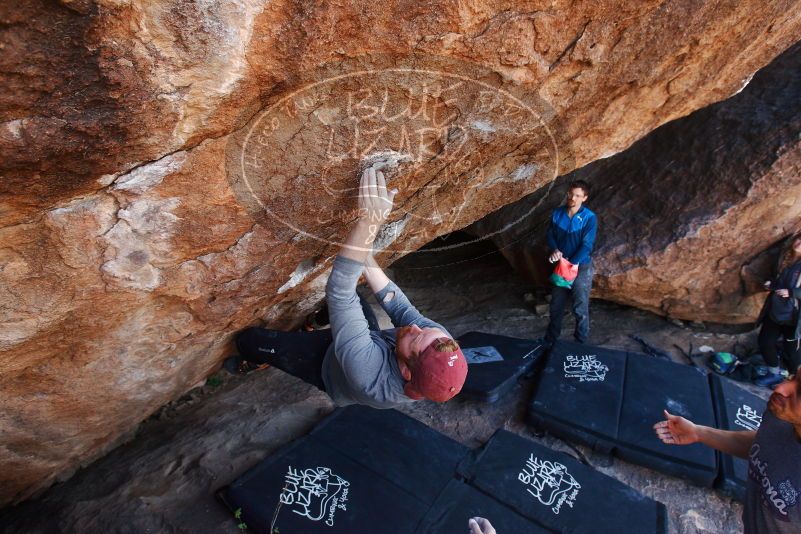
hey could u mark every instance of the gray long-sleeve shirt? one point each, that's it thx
(360, 366)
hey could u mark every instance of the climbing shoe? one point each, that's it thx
(769, 380)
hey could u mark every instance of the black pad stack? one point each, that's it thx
(311, 488)
(559, 492)
(358, 469)
(580, 394)
(610, 399)
(735, 409)
(495, 363)
(653, 385)
(364, 471)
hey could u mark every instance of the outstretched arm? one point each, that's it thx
(677, 430)
(353, 346)
(393, 300)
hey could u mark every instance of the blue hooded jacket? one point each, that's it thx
(574, 237)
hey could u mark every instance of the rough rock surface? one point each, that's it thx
(164, 480)
(692, 216)
(173, 171)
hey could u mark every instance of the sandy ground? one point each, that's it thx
(164, 479)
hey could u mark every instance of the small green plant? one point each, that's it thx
(238, 517)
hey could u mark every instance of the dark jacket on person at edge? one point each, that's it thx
(787, 279)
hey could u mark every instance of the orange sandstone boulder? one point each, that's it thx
(173, 171)
(691, 217)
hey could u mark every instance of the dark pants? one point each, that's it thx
(299, 353)
(581, 306)
(769, 334)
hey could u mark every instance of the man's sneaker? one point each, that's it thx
(237, 365)
(769, 380)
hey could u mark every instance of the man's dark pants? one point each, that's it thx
(791, 348)
(581, 306)
(300, 354)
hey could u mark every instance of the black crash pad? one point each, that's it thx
(580, 394)
(495, 363)
(735, 409)
(391, 467)
(653, 385)
(559, 492)
(309, 487)
(405, 451)
(610, 399)
(459, 502)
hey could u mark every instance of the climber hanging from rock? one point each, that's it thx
(355, 362)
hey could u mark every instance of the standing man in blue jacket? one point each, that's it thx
(571, 235)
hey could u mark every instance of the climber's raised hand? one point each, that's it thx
(375, 205)
(375, 202)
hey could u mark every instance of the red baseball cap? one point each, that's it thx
(437, 375)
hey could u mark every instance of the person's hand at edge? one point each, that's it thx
(479, 525)
(676, 430)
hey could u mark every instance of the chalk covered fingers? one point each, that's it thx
(676, 430)
(375, 205)
(375, 202)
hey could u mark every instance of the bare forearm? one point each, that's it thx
(375, 275)
(736, 443)
(359, 242)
